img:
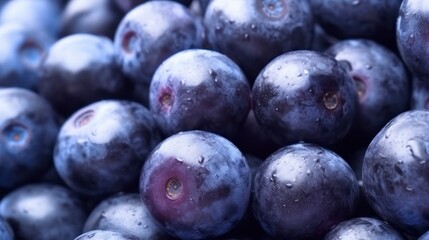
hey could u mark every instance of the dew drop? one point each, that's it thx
(308, 171)
(418, 149)
(201, 160)
(289, 185)
(253, 26)
(355, 2)
(368, 66)
(180, 160)
(246, 36)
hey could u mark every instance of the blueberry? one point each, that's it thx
(21, 52)
(105, 235)
(411, 32)
(213, 95)
(196, 184)
(80, 69)
(42, 15)
(99, 17)
(6, 232)
(381, 82)
(28, 131)
(101, 148)
(252, 33)
(395, 172)
(124, 213)
(370, 19)
(302, 190)
(145, 37)
(307, 96)
(363, 228)
(43, 211)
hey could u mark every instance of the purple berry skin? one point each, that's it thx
(43, 211)
(80, 69)
(259, 31)
(395, 172)
(145, 37)
(305, 96)
(302, 190)
(382, 84)
(363, 228)
(196, 184)
(101, 148)
(28, 130)
(200, 89)
(412, 29)
(125, 213)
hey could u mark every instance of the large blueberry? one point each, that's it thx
(363, 228)
(196, 184)
(395, 172)
(43, 211)
(21, 53)
(101, 148)
(28, 131)
(150, 33)
(412, 30)
(369, 19)
(100, 17)
(252, 33)
(302, 190)
(307, 96)
(80, 69)
(212, 95)
(381, 83)
(124, 213)
(42, 15)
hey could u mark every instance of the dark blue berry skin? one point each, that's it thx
(363, 228)
(395, 172)
(124, 213)
(203, 5)
(259, 31)
(6, 232)
(302, 190)
(419, 93)
(370, 19)
(146, 37)
(196, 184)
(43, 211)
(21, 52)
(101, 148)
(99, 17)
(28, 131)
(424, 236)
(81, 69)
(382, 84)
(305, 96)
(127, 5)
(106, 235)
(412, 30)
(212, 95)
(42, 15)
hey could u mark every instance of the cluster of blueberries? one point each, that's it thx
(214, 119)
